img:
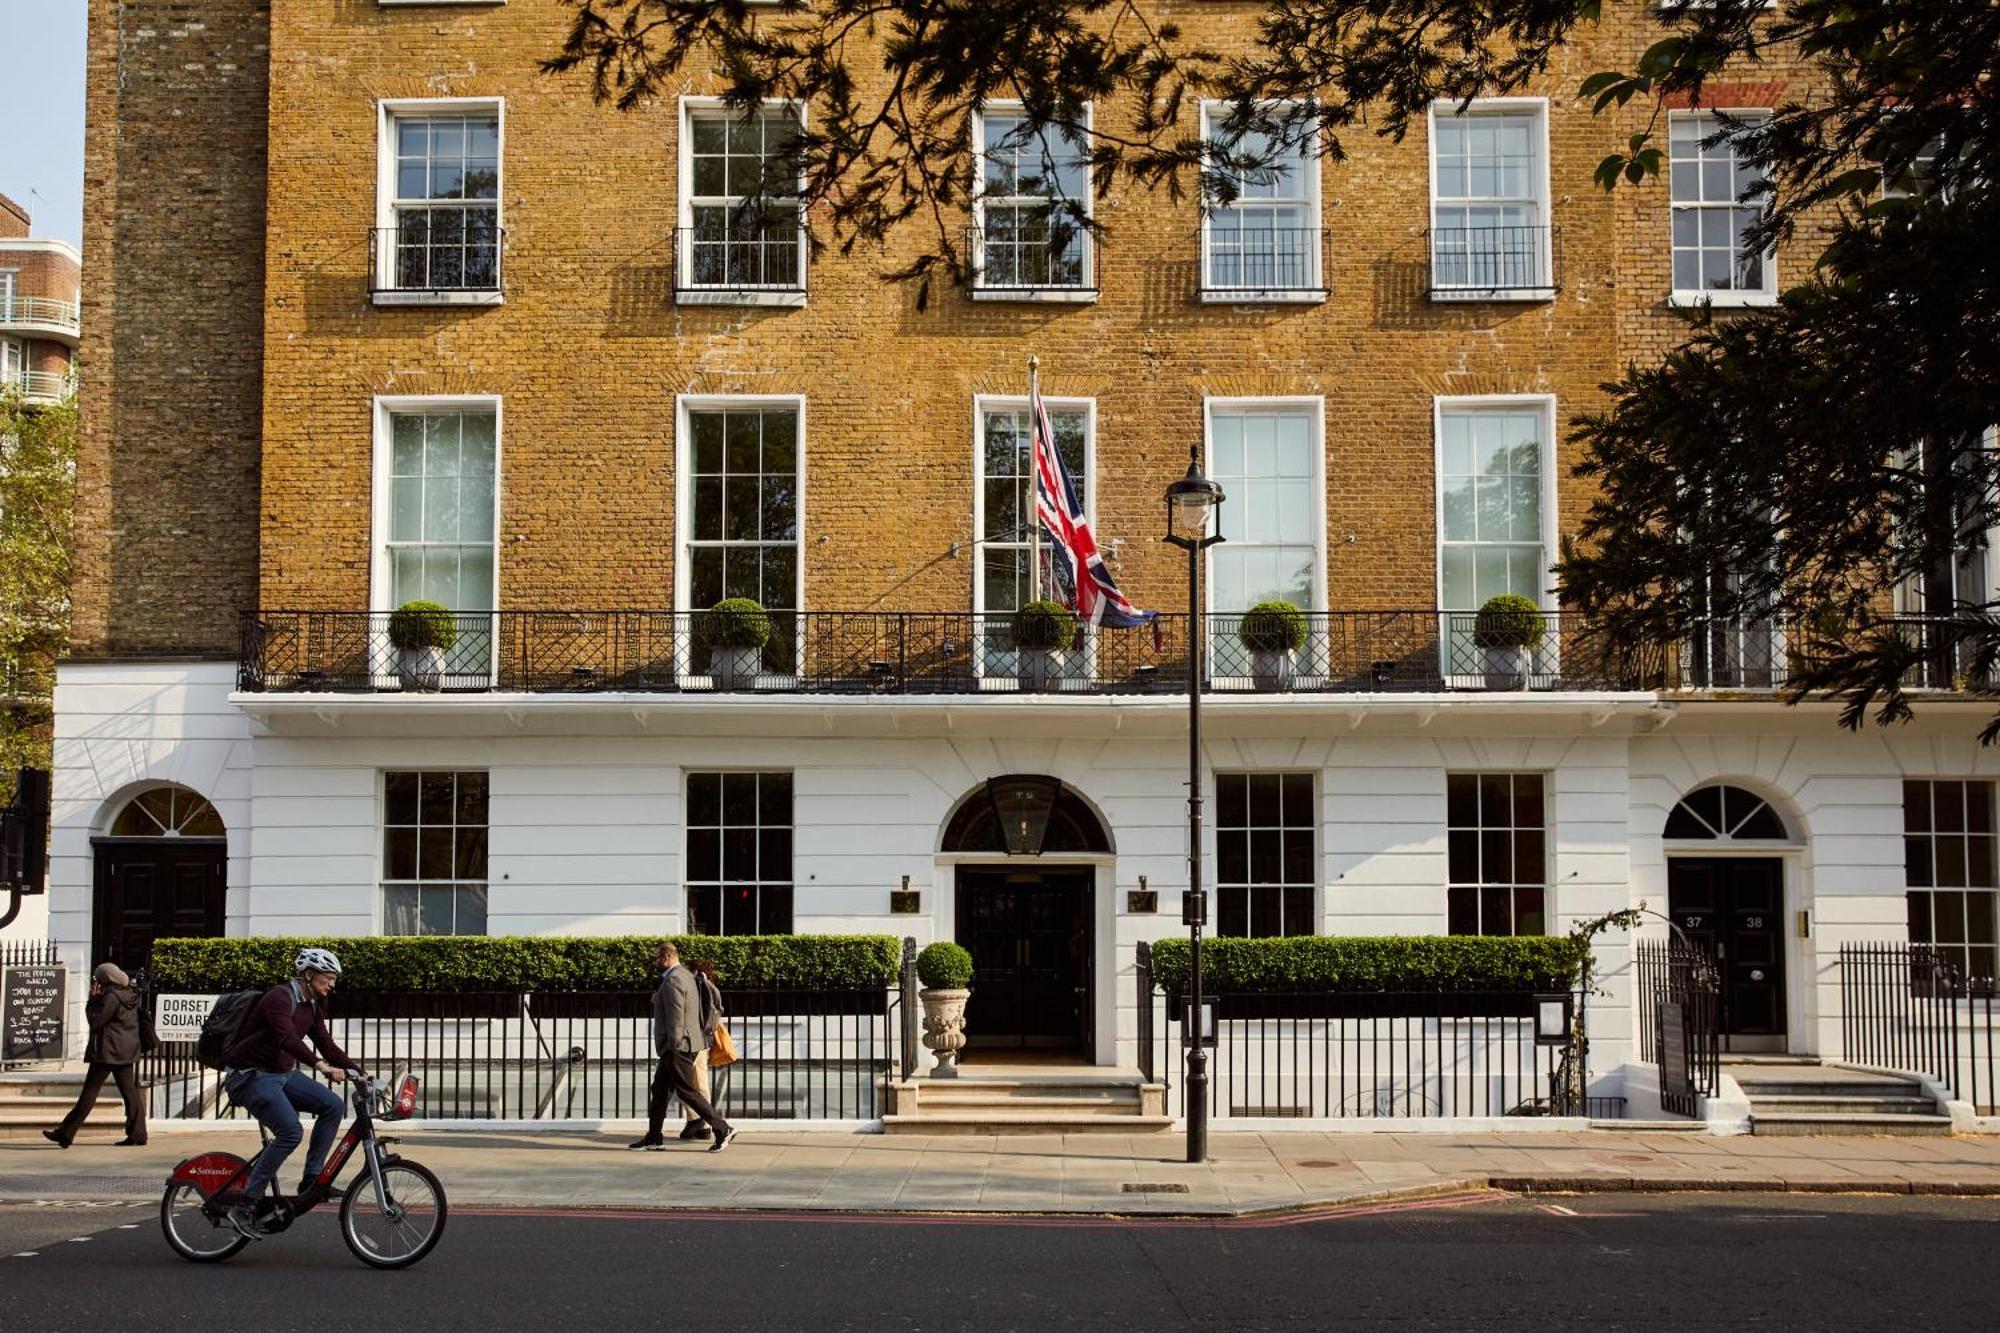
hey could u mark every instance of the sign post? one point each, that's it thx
(179, 1017)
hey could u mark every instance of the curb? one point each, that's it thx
(1736, 1185)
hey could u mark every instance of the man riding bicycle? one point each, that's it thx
(263, 1077)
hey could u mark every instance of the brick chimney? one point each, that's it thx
(13, 220)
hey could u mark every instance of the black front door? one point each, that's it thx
(1733, 908)
(1030, 935)
(155, 888)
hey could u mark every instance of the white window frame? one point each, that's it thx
(1315, 292)
(382, 881)
(1312, 655)
(380, 579)
(1684, 298)
(387, 112)
(1316, 826)
(1074, 669)
(14, 362)
(721, 884)
(1546, 289)
(1545, 597)
(684, 404)
(1083, 295)
(1547, 884)
(779, 297)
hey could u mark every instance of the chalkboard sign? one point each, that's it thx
(31, 1012)
(1675, 1076)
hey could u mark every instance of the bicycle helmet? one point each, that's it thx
(315, 960)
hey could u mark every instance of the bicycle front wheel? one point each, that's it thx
(407, 1229)
(192, 1233)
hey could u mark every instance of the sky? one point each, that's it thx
(41, 103)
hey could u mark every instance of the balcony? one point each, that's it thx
(41, 386)
(1040, 259)
(438, 256)
(941, 653)
(1283, 265)
(1495, 263)
(740, 262)
(41, 317)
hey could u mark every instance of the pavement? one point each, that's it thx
(1248, 1173)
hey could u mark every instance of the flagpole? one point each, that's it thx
(1034, 479)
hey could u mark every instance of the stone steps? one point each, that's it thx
(27, 1107)
(1801, 1096)
(1072, 1103)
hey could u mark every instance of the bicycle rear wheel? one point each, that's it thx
(407, 1230)
(191, 1232)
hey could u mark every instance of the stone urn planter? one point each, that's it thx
(1271, 632)
(735, 631)
(1506, 630)
(421, 632)
(945, 970)
(1034, 668)
(1042, 631)
(1507, 668)
(736, 668)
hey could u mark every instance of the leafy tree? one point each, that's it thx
(1797, 462)
(37, 489)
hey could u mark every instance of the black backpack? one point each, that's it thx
(223, 1027)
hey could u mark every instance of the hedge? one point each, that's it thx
(1349, 964)
(463, 963)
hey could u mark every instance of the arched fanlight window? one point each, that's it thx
(1025, 816)
(167, 812)
(1723, 813)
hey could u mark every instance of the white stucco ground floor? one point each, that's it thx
(1764, 826)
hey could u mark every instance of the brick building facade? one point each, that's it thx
(389, 225)
(40, 285)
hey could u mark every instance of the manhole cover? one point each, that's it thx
(1153, 1187)
(1323, 1165)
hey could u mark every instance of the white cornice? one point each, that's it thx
(41, 245)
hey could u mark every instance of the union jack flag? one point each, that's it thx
(1082, 578)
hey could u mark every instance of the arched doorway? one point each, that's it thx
(161, 870)
(1025, 909)
(1726, 854)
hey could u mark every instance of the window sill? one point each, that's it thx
(1038, 295)
(1263, 296)
(438, 298)
(1494, 295)
(1680, 300)
(410, 4)
(779, 299)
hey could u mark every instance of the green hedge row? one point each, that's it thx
(458, 964)
(1374, 963)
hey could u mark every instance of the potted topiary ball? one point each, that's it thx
(1272, 632)
(1041, 630)
(1508, 628)
(421, 633)
(945, 969)
(735, 631)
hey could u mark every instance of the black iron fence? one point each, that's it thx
(1471, 262)
(1021, 253)
(29, 953)
(438, 250)
(1679, 999)
(1911, 1007)
(941, 652)
(807, 1053)
(1242, 260)
(741, 254)
(1313, 1055)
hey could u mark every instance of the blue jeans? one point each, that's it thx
(276, 1100)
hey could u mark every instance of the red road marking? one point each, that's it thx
(993, 1219)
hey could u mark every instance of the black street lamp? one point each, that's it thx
(1190, 502)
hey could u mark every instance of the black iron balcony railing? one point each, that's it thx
(1029, 256)
(935, 653)
(438, 251)
(746, 255)
(1249, 261)
(1478, 263)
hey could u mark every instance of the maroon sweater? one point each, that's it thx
(274, 1034)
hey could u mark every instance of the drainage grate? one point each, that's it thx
(1153, 1187)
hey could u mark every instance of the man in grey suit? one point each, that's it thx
(677, 1036)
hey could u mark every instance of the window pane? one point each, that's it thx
(1462, 911)
(399, 910)
(400, 798)
(399, 854)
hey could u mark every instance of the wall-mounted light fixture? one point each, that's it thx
(906, 900)
(1142, 899)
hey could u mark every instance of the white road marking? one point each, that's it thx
(1558, 1210)
(78, 1240)
(27, 1254)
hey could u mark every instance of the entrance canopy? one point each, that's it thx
(1025, 815)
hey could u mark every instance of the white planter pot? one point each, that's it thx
(735, 668)
(420, 670)
(1507, 667)
(944, 1028)
(1035, 668)
(1271, 669)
